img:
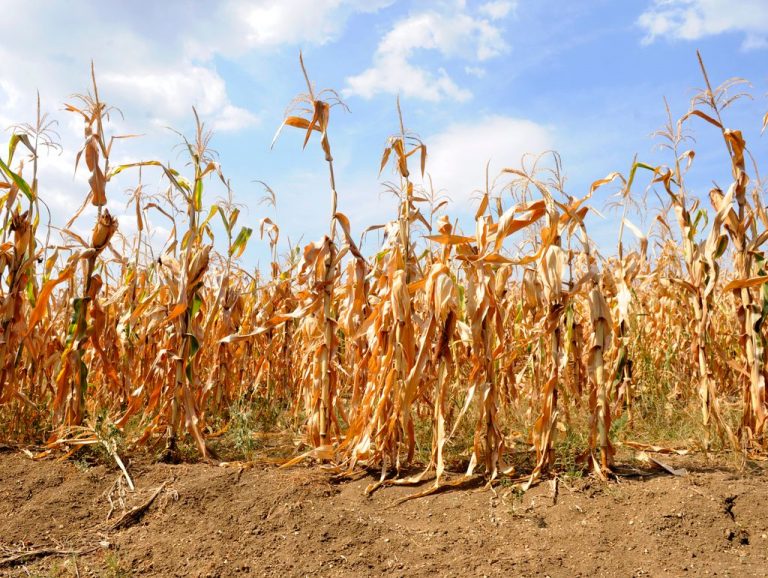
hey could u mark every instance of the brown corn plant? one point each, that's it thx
(516, 348)
(322, 259)
(87, 318)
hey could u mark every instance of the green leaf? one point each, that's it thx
(224, 220)
(722, 244)
(30, 288)
(83, 370)
(632, 172)
(241, 241)
(208, 231)
(20, 182)
(120, 168)
(78, 316)
(238, 246)
(197, 302)
(233, 218)
(197, 197)
(194, 347)
(214, 209)
(700, 214)
(15, 140)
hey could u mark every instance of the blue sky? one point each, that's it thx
(478, 81)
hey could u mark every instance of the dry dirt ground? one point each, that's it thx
(214, 521)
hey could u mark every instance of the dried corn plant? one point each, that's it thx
(87, 323)
(320, 264)
(514, 348)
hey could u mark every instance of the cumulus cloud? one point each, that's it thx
(167, 96)
(154, 61)
(694, 19)
(144, 72)
(458, 154)
(498, 9)
(150, 76)
(476, 71)
(451, 31)
(272, 23)
(144, 63)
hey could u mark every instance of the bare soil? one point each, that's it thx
(263, 521)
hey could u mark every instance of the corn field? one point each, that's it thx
(445, 350)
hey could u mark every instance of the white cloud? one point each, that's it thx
(167, 96)
(476, 71)
(290, 21)
(153, 72)
(694, 19)
(458, 155)
(143, 67)
(162, 69)
(236, 26)
(9, 95)
(9, 100)
(233, 118)
(394, 75)
(498, 9)
(755, 42)
(271, 23)
(452, 32)
(154, 61)
(149, 76)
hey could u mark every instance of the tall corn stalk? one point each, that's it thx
(318, 110)
(742, 226)
(185, 391)
(72, 379)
